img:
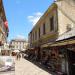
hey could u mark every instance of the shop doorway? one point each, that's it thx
(71, 62)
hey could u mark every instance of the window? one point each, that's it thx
(44, 28)
(35, 35)
(39, 32)
(51, 23)
(31, 37)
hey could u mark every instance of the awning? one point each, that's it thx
(66, 35)
(16, 51)
(65, 39)
(62, 43)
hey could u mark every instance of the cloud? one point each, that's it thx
(34, 18)
(20, 37)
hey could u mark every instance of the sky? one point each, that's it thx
(22, 15)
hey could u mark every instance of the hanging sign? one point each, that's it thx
(6, 24)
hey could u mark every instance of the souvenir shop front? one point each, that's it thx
(64, 56)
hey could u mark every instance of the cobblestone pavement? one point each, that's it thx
(24, 67)
(8, 73)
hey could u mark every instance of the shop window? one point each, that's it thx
(61, 53)
(44, 54)
(52, 54)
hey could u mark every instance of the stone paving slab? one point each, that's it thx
(24, 67)
(8, 73)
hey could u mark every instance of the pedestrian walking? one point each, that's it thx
(22, 55)
(19, 56)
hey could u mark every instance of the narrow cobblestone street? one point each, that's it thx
(24, 67)
(37, 37)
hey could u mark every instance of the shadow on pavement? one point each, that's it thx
(38, 64)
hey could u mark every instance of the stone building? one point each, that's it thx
(19, 44)
(4, 30)
(52, 38)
